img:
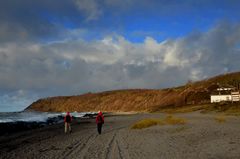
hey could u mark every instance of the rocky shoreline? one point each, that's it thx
(18, 126)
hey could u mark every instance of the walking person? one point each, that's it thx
(99, 122)
(67, 121)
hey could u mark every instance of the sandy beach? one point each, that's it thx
(201, 137)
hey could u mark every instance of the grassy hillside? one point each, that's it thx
(140, 100)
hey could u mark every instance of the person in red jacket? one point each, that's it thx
(99, 122)
(67, 121)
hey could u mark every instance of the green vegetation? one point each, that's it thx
(224, 107)
(227, 108)
(185, 109)
(169, 120)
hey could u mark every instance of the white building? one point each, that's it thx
(232, 96)
(219, 98)
(235, 96)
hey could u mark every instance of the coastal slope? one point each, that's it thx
(139, 100)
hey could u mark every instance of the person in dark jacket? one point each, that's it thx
(99, 121)
(67, 121)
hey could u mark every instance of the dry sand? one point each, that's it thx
(201, 137)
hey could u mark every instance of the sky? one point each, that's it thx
(71, 47)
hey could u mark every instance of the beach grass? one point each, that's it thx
(171, 120)
(220, 119)
(147, 123)
(168, 120)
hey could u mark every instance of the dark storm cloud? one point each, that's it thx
(34, 20)
(21, 20)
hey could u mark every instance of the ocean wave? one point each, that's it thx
(37, 116)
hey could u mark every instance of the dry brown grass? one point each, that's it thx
(220, 119)
(186, 109)
(147, 123)
(169, 120)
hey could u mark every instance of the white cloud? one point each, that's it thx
(16, 100)
(76, 66)
(90, 7)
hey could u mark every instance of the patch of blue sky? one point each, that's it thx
(158, 28)
(136, 25)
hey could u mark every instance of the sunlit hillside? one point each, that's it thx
(140, 100)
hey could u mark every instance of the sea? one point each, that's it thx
(35, 116)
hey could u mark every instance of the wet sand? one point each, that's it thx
(201, 137)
